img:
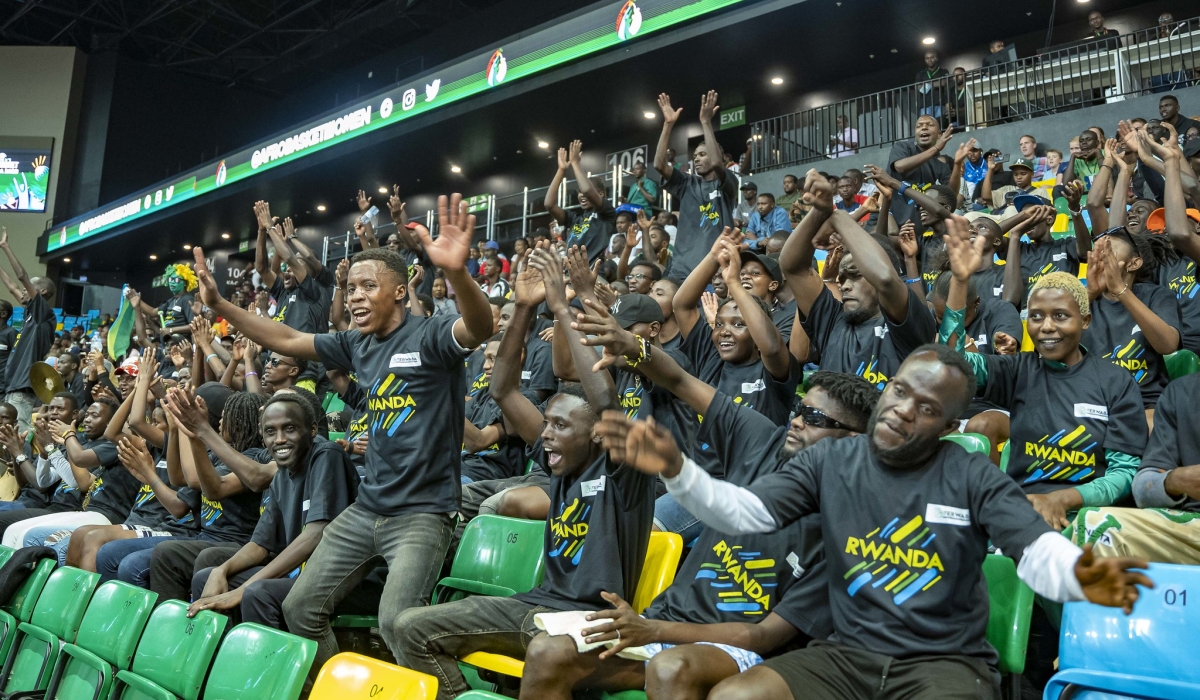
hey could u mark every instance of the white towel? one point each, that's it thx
(573, 622)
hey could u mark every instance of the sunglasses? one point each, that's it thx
(275, 362)
(637, 276)
(819, 419)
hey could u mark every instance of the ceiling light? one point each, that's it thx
(455, 169)
(648, 114)
(541, 144)
(1081, 1)
(66, 260)
(223, 235)
(153, 256)
(187, 246)
(320, 207)
(382, 190)
(777, 80)
(929, 41)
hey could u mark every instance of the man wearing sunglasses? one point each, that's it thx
(282, 372)
(736, 598)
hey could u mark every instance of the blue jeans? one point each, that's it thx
(127, 560)
(669, 516)
(37, 538)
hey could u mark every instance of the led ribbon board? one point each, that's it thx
(591, 32)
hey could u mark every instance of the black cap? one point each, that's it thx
(629, 309)
(769, 264)
(747, 185)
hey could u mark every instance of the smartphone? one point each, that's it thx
(368, 215)
(1002, 158)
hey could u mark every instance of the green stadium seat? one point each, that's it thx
(971, 442)
(260, 662)
(5, 554)
(173, 656)
(1010, 608)
(497, 556)
(1182, 363)
(20, 607)
(481, 695)
(1004, 456)
(107, 638)
(349, 675)
(56, 617)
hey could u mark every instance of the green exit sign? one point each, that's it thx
(732, 117)
(478, 203)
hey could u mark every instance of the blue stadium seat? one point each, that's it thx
(1149, 654)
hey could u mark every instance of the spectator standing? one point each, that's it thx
(706, 197)
(995, 58)
(845, 141)
(1099, 31)
(916, 162)
(643, 192)
(931, 85)
(1168, 111)
(37, 333)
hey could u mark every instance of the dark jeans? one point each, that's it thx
(262, 601)
(118, 560)
(413, 545)
(173, 563)
(432, 638)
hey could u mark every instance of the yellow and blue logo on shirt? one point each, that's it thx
(895, 558)
(1130, 357)
(631, 399)
(389, 405)
(869, 371)
(743, 581)
(1184, 285)
(569, 531)
(210, 511)
(709, 215)
(144, 495)
(1063, 456)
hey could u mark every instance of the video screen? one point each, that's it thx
(24, 178)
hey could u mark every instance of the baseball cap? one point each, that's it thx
(1028, 200)
(491, 245)
(747, 185)
(629, 309)
(769, 264)
(1157, 221)
(129, 366)
(973, 215)
(1022, 163)
(629, 209)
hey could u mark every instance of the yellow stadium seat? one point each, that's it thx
(662, 559)
(350, 676)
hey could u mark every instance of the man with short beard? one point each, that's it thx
(915, 630)
(877, 321)
(916, 161)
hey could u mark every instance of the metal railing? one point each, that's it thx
(505, 218)
(1057, 79)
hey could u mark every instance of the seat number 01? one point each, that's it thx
(1174, 597)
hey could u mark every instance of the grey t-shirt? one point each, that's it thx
(591, 229)
(37, 335)
(415, 384)
(324, 485)
(705, 209)
(905, 548)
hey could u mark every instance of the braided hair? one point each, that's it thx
(1155, 251)
(240, 419)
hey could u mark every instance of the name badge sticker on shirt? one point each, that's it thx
(1091, 410)
(947, 515)
(526, 375)
(304, 506)
(881, 331)
(714, 194)
(1058, 257)
(593, 487)
(751, 387)
(406, 359)
(794, 560)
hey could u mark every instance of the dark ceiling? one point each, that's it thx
(268, 44)
(819, 46)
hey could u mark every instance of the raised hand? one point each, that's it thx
(880, 177)
(201, 332)
(262, 213)
(1073, 192)
(643, 222)
(396, 206)
(289, 229)
(583, 278)
(133, 454)
(575, 152)
(710, 303)
(456, 227)
(833, 264)
(1114, 270)
(873, 202)
(908, 240)
(189, 410)
(363, 201)
(1109, 581)
(342, 273)
(604, 293)
(817, 192)
(147, 365)
(963, 150)
(602, 330)
(564, 160)
(670, 115)
(60, 430)
(209, 294)
(944, 139)
(549, 268)
(731, 263)
(966, 255)
(239, 350)
(1004, 344)
(708, 106)
(642, 444)
(528, 287)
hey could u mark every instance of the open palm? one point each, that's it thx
(456, 226)
(529, 287)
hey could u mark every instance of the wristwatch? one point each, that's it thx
(20, 459)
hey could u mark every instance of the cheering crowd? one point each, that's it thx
(633, 368)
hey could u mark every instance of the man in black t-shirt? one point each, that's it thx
(315, 482)
(917, 162)
(906, 519)
(598, 526)
(878, 320)
(596, 220)
(706, 197)
(537, 374)
(8, 338)
(411, 369)
(1043, 253)
(37, 333)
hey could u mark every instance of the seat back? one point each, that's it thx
(350, 675)
(64, 599)
(1156, 642)
(662, 559)
(22, 603)
(971, 442)
(114, 620)
(176, 650)
(5, 554)
(1182, 363)
(260, 662)
(501, 552)
(1010, 607)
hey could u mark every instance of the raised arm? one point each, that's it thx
(116, 424)
(147, 375)
(263, 265)
(670, 116)
(191, 413)
(18, 268)
(586, 190)
(1014, 281)
(522, 415)
(270, 334)
(796, 258)
(337, 309)
(1179, 227)
(17, 291)
(306, 254)
(929, 204)
(1073, 192)
(1100, 184)
(904, 166)
(82, 460)
(960, 159)
(597, 386)
(621, 349)
(687, 297)
(766, 337)
(450, 252)
(284, 252)
(875, 267)
(1126, 163)
(133, 454)
(551, 200)
(708, 109)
